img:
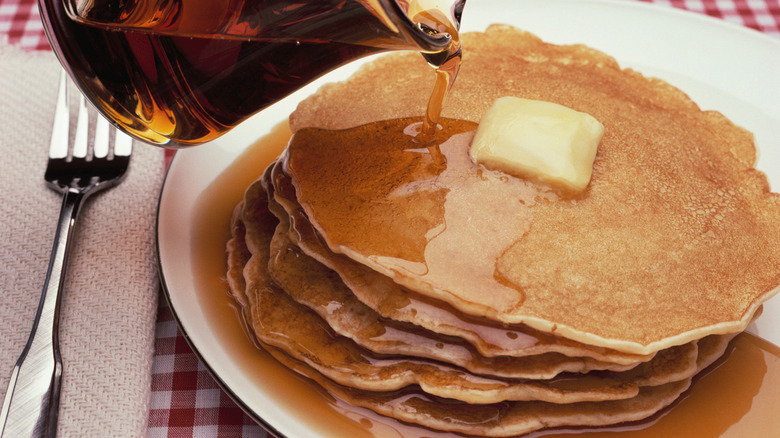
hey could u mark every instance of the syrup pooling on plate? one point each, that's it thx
(433, 187)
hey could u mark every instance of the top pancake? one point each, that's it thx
(676, 237)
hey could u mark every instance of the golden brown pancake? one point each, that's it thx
(318, 288)
(301, 334)
(237, 254)
(503, 419)
(280, 322)
(676, 237)
(508, 418)
(387, 299)
(244, 240)
(495, 420)
(406, 279)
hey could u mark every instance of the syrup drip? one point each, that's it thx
(445, 77)
(435, 20)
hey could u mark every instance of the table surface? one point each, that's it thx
(186, 400)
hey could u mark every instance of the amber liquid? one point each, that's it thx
(186, 88)
(736, 397)
(181, 89)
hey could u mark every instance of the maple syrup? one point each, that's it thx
(180, 73)
(434, 187)
(736, 397)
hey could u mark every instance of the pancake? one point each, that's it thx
(319, 289)
(676, 237)
(298, 332)
(280, 322)
(237, 256)
(509, 418)
(243, 241)
(406, 279)
(388, 300)
(502, 419)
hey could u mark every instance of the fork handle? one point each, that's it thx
(32, 399)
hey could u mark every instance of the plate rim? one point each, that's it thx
(244, 406)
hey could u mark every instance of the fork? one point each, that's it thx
(76, 171)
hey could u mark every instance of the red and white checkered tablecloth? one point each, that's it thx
(186, 400)
(19, 22)
(19, 18)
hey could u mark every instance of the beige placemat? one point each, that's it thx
(110, 298)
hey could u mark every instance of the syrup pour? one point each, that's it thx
(736, 397)
(183, 72)
(447, 65)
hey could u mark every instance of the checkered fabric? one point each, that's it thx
(19, 18)
(761, 15)
(186, 400)
(20, 23)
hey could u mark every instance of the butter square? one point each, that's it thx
(538, 139)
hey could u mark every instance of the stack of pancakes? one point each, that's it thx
(406, 279)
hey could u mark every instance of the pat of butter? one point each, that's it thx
(536, 139)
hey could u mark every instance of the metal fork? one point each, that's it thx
(32, 399)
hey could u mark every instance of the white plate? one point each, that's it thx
(721, 66)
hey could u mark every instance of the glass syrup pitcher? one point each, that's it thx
(182, 72)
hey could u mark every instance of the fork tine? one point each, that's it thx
(123, 144)
(80, 142)
(100, 148)
(58, 147)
